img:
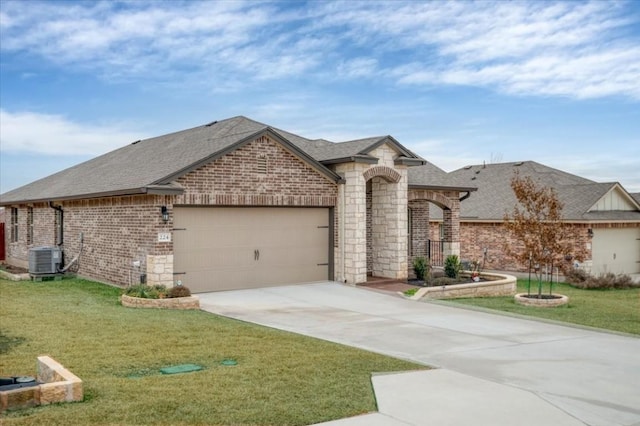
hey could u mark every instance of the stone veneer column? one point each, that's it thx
(389, 227)
(160, 270)
(355, 223)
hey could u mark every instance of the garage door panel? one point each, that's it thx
(230, 257)
(216, 236)
(616, 250)
(291, 258)
(226, 248)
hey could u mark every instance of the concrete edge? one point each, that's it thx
(14, 277)
(454, 304)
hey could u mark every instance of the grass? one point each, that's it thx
(617, 310)
(281, 378)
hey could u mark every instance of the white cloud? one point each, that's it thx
(581, 50)
(30, 132)
(572, 49)
(619, 167)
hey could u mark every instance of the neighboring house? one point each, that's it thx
(237, 204)
(606, 215)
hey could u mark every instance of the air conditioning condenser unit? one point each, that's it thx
(44, 260)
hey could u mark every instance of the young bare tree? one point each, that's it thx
(537, 224)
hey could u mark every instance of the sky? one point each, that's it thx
(458, 83)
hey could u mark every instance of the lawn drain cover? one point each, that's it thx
(229, 362)
(182, 368)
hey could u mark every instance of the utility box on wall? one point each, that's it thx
(44, 260)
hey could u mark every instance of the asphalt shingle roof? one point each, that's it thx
(154, 162)
(430, 175)
(139, 164)
(495, 197)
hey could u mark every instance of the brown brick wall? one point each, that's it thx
(419, 231)
(43, 234)
(116, 231)
(451, 219)
(493, 236)
(238, 178)
(120, 230)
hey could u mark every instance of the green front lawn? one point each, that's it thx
(617, 310)
(281, 378)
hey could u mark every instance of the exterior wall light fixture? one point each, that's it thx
(165, 214)
(590, 233)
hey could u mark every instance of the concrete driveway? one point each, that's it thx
(585, 375)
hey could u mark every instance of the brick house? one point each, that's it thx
(237, 204)
(606, 215)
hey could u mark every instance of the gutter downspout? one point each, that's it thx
(58, 208)
(465, 196)
(61, 243)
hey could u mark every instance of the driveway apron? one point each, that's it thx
(593, 376)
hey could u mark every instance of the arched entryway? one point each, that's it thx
(419, 201)
(386, 222)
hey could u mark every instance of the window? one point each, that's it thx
(14, 225)
(29, 225)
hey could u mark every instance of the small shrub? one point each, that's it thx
(179, 291)
(452, 266)
(575, 276)
(606, 281)
(147, 292)
(420, 267)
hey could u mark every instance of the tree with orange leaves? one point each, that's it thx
(537, 223)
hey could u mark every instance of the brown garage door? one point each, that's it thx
(228, 248)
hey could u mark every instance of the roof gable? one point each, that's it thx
(340, 152)
(615, 199)
(268, 132)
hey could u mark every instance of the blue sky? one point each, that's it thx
(458, 83)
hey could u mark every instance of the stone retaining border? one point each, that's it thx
(502, 285)
(560, 300)
(57, 384)
(191, 302)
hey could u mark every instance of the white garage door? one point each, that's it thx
(616, 250)
(229, 248)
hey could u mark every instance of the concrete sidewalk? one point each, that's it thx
(443, 397)
(495, 369)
